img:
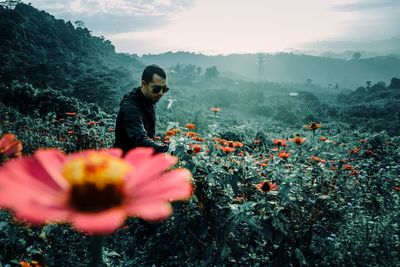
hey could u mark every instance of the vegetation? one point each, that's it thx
(272, 188)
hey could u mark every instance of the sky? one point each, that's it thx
(233, 26)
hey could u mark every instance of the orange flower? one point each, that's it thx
(237, 144)
(70, 114)
(232, 143)
(227, 149)
(318, 159)
(215, 109)
(284, 155)
(173, 131)
(313, 126)
(30, 264)
(166, 139)
(191, 134)
(10, 147)
(267, 186)
(279, 142)
(190, 126)
(200, 139)
(297, 140)
(220, 140)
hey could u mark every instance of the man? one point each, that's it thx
(136, 120)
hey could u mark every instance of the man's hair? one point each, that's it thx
(150, 70)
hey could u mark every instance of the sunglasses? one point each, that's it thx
(156, 89)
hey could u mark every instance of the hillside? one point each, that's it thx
(288, 67)
(37, 48)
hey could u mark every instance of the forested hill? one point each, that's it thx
(287, 67)
(37, 48)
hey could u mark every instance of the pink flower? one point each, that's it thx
(93, 190)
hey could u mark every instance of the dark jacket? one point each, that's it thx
(136, 123)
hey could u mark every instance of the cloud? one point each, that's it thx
(366, 5)
(115, 16)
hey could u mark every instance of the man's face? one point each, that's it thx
(150, 89)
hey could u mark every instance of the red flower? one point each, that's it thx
(354, 150)
(279, 142)
(196, 148)
(284, 155)
(266, 186)
(70, 114)
(94, 190)
(110, 129)
(9, 146)
(347, 167)
(70, 132)
(90, 123)
(368, 153)
(323, 139)
(257, 141)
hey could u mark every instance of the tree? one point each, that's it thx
(394, 83)
(368, 84)
(356, 56)
(212, 73)
(80, 23)
(11, 4)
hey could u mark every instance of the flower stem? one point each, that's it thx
(96, 250)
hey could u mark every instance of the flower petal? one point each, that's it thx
(149, 168)
(139, 155)
(116, 152)
(154, 211)
(104, 222)
(174, 185)
(28, 173)
(52, 161)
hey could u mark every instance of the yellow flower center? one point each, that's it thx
(96, 181)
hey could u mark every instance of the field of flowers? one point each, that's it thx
(322, 194)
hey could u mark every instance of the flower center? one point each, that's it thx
(96, 181)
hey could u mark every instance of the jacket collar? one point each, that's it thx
(142, 98)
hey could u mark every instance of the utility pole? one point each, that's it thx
(260, 62)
